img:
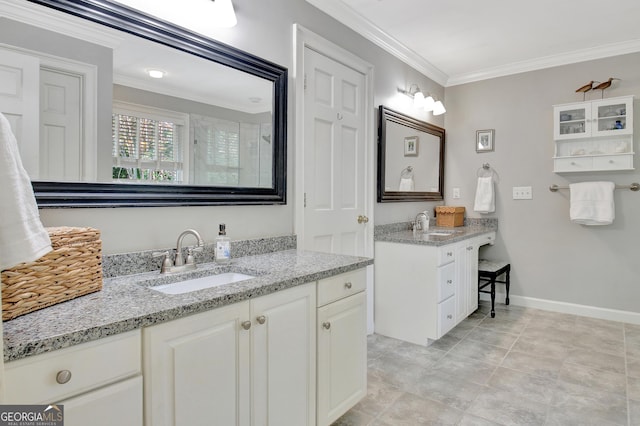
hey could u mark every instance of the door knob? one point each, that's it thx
(261, 319)
(363, 219)
(326, 325)
(246, 325)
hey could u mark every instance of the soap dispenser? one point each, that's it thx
(223, 246)
(425, 221)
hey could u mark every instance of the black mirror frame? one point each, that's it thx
(80, 194)
(385, 115)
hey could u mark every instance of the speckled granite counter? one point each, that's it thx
(434, 237)
(126, 303)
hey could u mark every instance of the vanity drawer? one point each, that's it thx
(614, 162)
(341, 286)
(489, 238)
(35, 380)
(446, 283)
(573, 164)
(446, 315)
(446, 254)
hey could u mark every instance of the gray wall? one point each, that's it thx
(551, 257)
(264, 29)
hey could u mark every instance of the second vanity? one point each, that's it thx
(287, 347)
(426, 283)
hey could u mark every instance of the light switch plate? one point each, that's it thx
(522, 193)
(456, 192)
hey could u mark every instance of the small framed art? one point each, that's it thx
(484, 140)
(411, 146)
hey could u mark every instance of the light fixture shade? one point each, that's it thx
(418, 100)
(223, 14)
(438, 108)
(429, 103)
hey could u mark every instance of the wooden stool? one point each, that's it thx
(488, 272)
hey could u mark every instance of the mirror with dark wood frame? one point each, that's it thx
(264, 125)
(410, 158)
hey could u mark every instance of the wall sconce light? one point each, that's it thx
(224, 16)
(428, 103)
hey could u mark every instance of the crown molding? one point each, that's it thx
(53, 20)
(583, 55)
(347, 16)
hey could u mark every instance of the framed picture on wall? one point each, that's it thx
(411, 146)
(484, 140)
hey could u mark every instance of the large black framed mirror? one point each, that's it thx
(253, 132)
(410, 158)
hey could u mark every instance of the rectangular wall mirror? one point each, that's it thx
(95, 129)
(410, 158)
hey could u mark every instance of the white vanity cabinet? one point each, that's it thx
(99, 382)
(423, 291)
(415, 288)
(594, 135)
(249, 363)
(342, 344)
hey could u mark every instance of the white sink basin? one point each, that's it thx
(440, 234)
(201, 283)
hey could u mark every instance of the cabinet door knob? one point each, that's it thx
(348, 285)
(449, 281)
(449, 253)
(470, 248)
(261, 319)
(326, 325)
(450, 316)
(63, 376)
(246, 325)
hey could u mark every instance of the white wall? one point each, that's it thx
(264, 29)
(551, 257)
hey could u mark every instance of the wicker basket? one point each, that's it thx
(73, 268)
(449, 216)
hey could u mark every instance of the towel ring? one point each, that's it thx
(487, 171)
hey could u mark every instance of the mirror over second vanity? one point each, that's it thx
(410, 158)
(95, 129)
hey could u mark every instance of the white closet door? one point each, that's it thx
(19, 102)
(334, 156)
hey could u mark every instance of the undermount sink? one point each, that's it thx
(194, 284)
(440, 233)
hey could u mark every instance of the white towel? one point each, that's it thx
(485, 198)
(406, 184)
(592, 203)
(22, 236)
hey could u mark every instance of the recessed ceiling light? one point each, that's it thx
(155, 73)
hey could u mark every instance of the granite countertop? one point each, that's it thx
(126, 303)
(434, 236)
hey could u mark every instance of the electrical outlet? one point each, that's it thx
(522, 193)
(456, 192)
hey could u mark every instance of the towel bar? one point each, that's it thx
(635, 186)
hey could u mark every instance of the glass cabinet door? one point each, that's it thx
(612, 116)
(572, 121)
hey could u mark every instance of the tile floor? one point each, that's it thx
(523, 367)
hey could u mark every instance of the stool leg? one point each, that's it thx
(493, 298)
(507, 287)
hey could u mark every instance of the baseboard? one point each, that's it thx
(568, 308)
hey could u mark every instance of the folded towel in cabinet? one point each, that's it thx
(485, 198)
(22, 236)
(592, 203)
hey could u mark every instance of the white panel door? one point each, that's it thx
(283, 357)
(19, 102)
(61, 153)
(334, 151)
(342, 357)
(196, 369)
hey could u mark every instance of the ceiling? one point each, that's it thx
(460, 41)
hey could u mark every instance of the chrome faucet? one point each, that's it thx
(421, 225)
(180, 264)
